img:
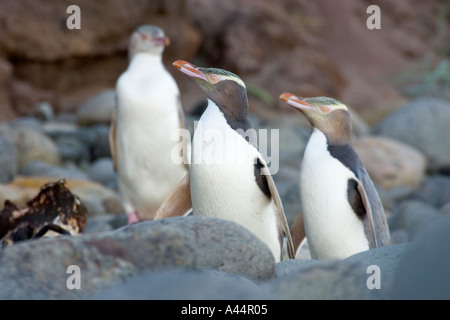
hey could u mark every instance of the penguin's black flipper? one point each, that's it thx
(265, 173)
(368, 222)
(378, 216)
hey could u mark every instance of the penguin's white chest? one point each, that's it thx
(222, 177)
(332, 228)
(147, 118)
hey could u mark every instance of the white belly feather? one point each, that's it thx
(147, 98)
(332, 229)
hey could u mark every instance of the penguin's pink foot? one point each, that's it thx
(133, 217)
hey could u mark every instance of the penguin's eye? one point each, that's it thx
(324, 109)
(213, 78)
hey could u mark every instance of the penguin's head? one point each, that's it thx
(210, 79)
(148, 39)
(224, 88)
(326, 114)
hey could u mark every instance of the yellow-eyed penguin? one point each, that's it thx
(229, 178)
(147, 116)
(342, 211)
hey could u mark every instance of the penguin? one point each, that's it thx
(342, 211)
(146, 119)
(228, 177)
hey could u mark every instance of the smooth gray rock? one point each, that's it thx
(97, 109)
(43, 111)
(39, 169)
(38, 269)
(72, 150)
(423, 124)
(8, 158)
(184, 284)
(435, 190)
(386, 259)
(74, 143)
(224, 245)
(423, 272)
(412, 216)
(294, 266)
(325, 280)
(30, 123)
(99, 223)
(339, 279)
(102, 171)
(99, 147)
(34, 145)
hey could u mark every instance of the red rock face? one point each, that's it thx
(308, 48)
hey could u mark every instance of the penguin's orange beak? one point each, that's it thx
(294, 101)
(189, 69)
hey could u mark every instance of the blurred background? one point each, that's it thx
(306, 47)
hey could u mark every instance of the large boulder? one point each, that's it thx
(423, 124)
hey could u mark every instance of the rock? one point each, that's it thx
(338, 279)
(79, 144)
(30, 123)
(182, 284)
(74, 143)
(391, 163)
(8, 157)
(325, 280)
(106, 222)
(32, 145)
(42, 169)
(16, 194)
(294, 266)
(97, 198)
(292, 143)
(399, 236)
(445, 208)
(435, 190)
(109, 258)
(27, 272)
(386, 259)
(429, 118)
(99, 147)
(412, 216)
(98, 109)
(391, 197)
(43, 111)
(225, 246)
(102, 171)
(72, 150)
(99, 223)
(423, 272)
